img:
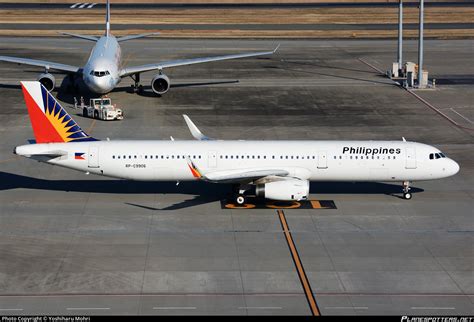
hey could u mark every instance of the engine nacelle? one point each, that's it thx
(160, 84)
(284, 190)
(47, 80)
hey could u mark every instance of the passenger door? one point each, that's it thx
(93, 157)
(410, 158)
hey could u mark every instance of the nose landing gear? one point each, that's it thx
(406, 190)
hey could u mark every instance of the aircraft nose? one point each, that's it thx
(453, 167)
(450, 167)
(98, 85)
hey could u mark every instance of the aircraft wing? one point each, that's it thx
(182, 62)
(40, 63)
(243, 175)
(237, 175)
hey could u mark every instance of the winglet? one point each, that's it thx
(194, 130)
(276, 48)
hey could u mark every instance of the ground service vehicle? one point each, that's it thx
(102, 109)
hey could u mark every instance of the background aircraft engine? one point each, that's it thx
(160, 84)
(47, 80)
(284, 190)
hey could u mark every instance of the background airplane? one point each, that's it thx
(278, 170)
(103, 71)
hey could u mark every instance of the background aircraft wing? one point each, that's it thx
(40, 63)
(181, 62)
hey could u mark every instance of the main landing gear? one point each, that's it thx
(406, 190)
(136, 87)
(239, 194)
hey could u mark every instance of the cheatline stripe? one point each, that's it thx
(299, 266)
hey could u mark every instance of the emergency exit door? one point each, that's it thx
(212, 159)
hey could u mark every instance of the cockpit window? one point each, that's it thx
(99, 73)
(437, 156)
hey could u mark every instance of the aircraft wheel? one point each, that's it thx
(96, 115)
(240, 199)
(407, 196)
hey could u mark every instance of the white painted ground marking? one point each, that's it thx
(75, 5)
(346, 307)
(174, 308)
(464, 117)
(83, 5)
(260, 308)
(87, 308)
(91, 5)
(432, 308)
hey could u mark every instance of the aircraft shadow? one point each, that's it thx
(202, 192)
(147, 92)
(327, 66)
(10, 86)
(342, 77)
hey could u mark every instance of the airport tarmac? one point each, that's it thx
(77, 244)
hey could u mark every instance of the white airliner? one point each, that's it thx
(103, 70)
(279, 170)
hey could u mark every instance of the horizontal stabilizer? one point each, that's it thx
(91, 38)
(130, 37)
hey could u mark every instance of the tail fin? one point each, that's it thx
(50, 121)
(107, 19)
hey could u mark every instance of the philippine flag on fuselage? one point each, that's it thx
(79, 156)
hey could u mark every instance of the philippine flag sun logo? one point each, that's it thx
(79, 156)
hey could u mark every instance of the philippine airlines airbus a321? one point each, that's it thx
(103, 70)
(279, 170)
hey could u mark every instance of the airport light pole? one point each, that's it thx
(420, 45)
(400, 34)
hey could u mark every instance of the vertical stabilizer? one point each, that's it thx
(50, 121)
(107, 19)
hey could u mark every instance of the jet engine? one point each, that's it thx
(293, 189)
(47, 80)
(160, 84)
